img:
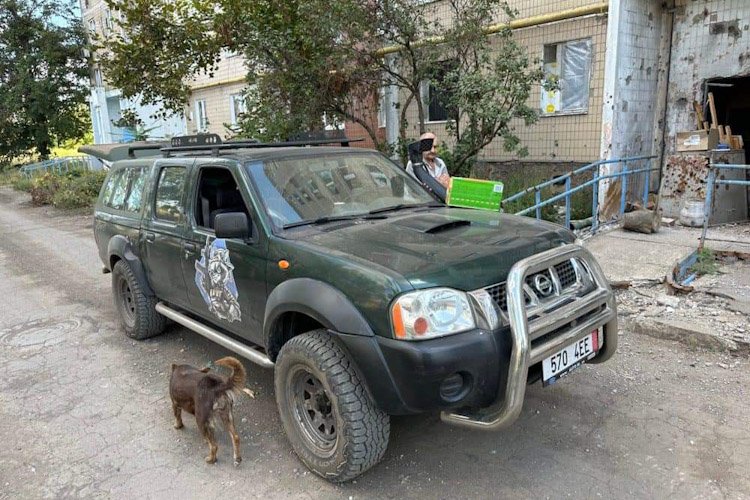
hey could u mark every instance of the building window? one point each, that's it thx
(107, 28)
(237, 107)
(434, 97)
(201, 116)
(568, 64)
(92, 28)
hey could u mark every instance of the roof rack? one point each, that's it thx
(212, 142)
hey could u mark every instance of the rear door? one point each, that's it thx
(225, 278)
(162, 234)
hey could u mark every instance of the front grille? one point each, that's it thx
(566, 274)
(498, 294)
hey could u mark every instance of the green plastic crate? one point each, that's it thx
(474, 193)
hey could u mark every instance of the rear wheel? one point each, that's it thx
(137, 310)
(331, 420)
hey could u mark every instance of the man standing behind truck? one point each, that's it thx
(435, 166)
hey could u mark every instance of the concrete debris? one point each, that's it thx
(715, 315)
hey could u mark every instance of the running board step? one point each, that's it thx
(243, 350)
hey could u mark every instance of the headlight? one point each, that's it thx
(431, 313)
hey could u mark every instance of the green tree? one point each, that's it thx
(43, 77)
(488, 84)
(313, 58)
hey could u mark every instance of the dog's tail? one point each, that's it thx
(237, 378)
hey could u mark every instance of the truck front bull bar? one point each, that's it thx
(602, 311)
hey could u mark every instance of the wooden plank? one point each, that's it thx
(728, 130)
(698, 113)
(705, 126)
(712, 108)
(722, 135)
(742, 142)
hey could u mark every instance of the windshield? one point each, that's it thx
(309, 188)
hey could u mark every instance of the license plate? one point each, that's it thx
(571, 357)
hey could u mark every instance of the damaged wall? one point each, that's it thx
(710, 39)
(638, 41)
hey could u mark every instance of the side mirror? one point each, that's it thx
(232, 225)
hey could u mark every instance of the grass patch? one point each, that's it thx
(707, 262)
(580, 201)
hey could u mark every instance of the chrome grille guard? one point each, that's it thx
(598, 306)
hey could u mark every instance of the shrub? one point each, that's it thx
(73, 189)
(79, 191)
(43, 188)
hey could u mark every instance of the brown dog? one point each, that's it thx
(208, 396)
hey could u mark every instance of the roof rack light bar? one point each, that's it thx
(197, 143)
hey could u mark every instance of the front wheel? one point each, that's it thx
(331, 420)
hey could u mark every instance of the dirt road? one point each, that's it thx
(84, 411)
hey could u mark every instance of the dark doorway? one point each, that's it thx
(732, 98)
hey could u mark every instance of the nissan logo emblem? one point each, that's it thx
(543, 285)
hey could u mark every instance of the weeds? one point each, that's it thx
(580, 201)
(707, 262)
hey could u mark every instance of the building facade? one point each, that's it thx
(215, 104)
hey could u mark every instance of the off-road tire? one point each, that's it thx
(361, 428)
(137, 311)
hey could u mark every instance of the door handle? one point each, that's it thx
(150, 237)
(189, 247)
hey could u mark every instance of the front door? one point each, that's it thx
(161, 238)
(226, 278)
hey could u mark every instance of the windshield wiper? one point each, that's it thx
(320, 220)
(402, 206)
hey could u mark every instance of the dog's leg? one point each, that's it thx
(208, 433)
(177, 416)
(228, 421)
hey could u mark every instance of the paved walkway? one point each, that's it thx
(629, 256)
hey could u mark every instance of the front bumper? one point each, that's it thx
(533, 341)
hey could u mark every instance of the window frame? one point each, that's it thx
(234, 112)
(201, 115)
(558, 58)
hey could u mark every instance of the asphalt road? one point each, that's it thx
(84, 411)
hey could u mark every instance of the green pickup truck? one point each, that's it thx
(366, 295)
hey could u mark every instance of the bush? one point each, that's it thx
(73, 189)
(79, 191)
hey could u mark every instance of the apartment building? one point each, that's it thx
(215, 104)
(106, 103)
(217, 100)
(630, 73)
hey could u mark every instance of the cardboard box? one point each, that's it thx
(697, 140)
(474, 193)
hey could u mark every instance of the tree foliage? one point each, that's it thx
(488, 86)
(43, 77)
(309, 59)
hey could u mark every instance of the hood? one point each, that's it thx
(459, 248)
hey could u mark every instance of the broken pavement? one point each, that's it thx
(713, 315)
